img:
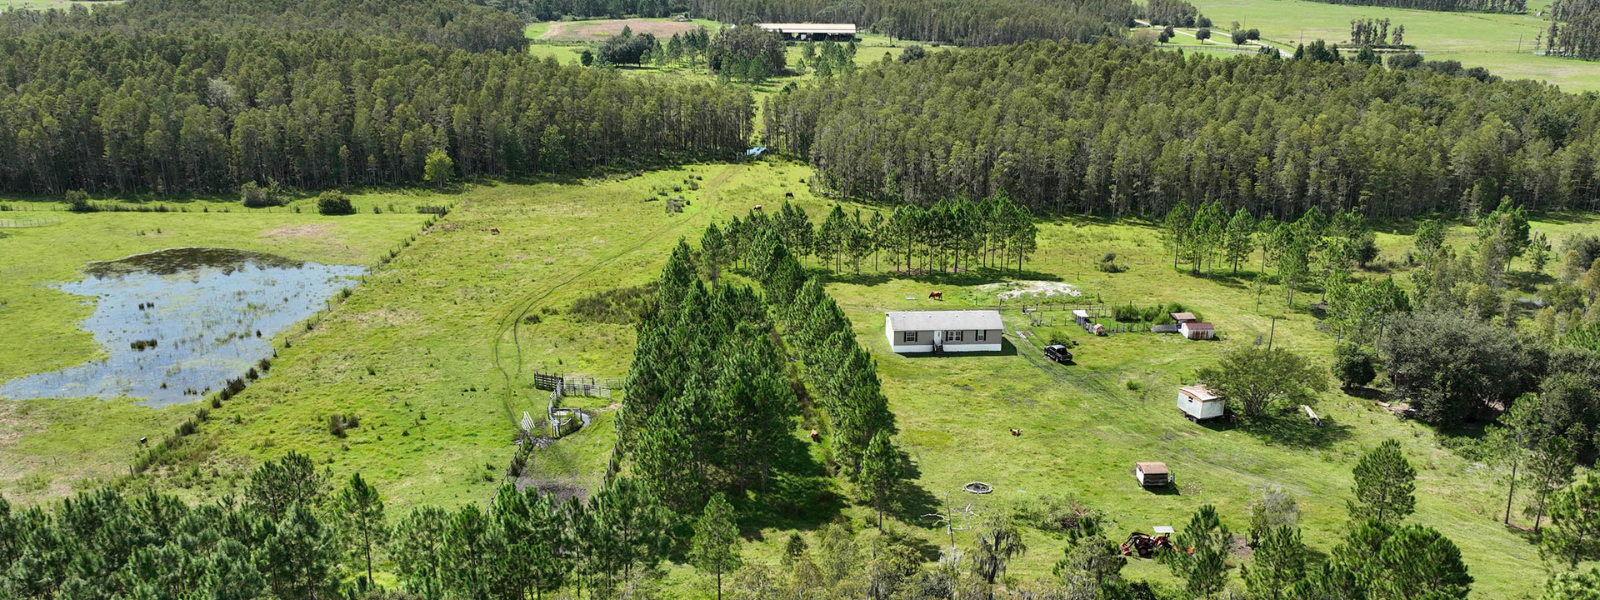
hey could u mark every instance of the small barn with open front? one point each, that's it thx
(813, 32)
(943, 331)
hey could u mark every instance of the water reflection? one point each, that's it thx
(177, 322)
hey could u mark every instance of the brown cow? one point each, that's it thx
(815, 437)
(494, 230)
(936, 295)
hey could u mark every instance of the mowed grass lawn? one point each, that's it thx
(49, 446)
(1085, 425)
(1502, 43)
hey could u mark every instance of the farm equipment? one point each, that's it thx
(1145, 544)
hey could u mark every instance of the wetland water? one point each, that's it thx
(211, 312)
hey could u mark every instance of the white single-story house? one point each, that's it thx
(1199, 403)
(944, 330)
(1197, 331)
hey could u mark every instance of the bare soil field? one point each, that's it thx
(593, 31)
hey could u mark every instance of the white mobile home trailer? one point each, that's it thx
(1199, 403)
(943, 331)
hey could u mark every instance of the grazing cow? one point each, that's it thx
(1015, 431)
(936, 295)
(494, 230)
(815, 437)
(758, 207)
(788, 194)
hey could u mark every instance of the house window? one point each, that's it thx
(955, 336)
(909, 336)
(983, 335)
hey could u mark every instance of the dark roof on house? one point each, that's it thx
(925, 320)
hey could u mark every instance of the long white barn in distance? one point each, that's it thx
(943, 331)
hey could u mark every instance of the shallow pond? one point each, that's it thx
(177, 322)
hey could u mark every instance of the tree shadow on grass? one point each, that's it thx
(913, 501)
(799, 495)
(1296, 430)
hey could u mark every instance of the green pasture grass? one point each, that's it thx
(435, 350)
(1502, 43)
(59, 443)
(442, 331)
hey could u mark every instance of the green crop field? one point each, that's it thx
(435, 349)
(1502, 43)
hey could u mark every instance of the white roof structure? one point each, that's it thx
(928, 320)
(1200, 392)
(823, 28)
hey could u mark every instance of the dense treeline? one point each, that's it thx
(1375, 32)
(1574, 29)
(842, 376)
(951, 21)
(1175, 13)
(196, 111)
(1499, 6)
(951, 235)
(1118, 130)
(709, 401)
(554, 10)
(449, 23)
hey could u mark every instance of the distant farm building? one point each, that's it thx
(1199, 403)
(1183, 317)
(944, 331)
(813, 32)
(1197, 331)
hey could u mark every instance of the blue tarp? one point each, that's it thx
(754, 152)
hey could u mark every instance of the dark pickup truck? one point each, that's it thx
(1058, 353)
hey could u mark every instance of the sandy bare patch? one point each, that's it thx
(296, 232)
(1011, 290)
(591, 31)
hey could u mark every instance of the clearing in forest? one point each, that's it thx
(594, 31)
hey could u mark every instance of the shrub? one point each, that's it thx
(619, 306)
(334, 203)
(1352, 365)
(256, 196)
(337, 423)
(78, 202)
(913, 53)
(1108, 264)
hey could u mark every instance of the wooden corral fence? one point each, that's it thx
(1096, 311)
(597, 387)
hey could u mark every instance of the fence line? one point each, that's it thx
(34, 222)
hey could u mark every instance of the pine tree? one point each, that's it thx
(715, 547)
(1384, 485)
(1574, 532)
(1280, 563)
(880, 473)
(1240, 237)
(361, 516)
(1204, 549)
(301, 557)
(1175, 230)
(277, 485)
(418, 550)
